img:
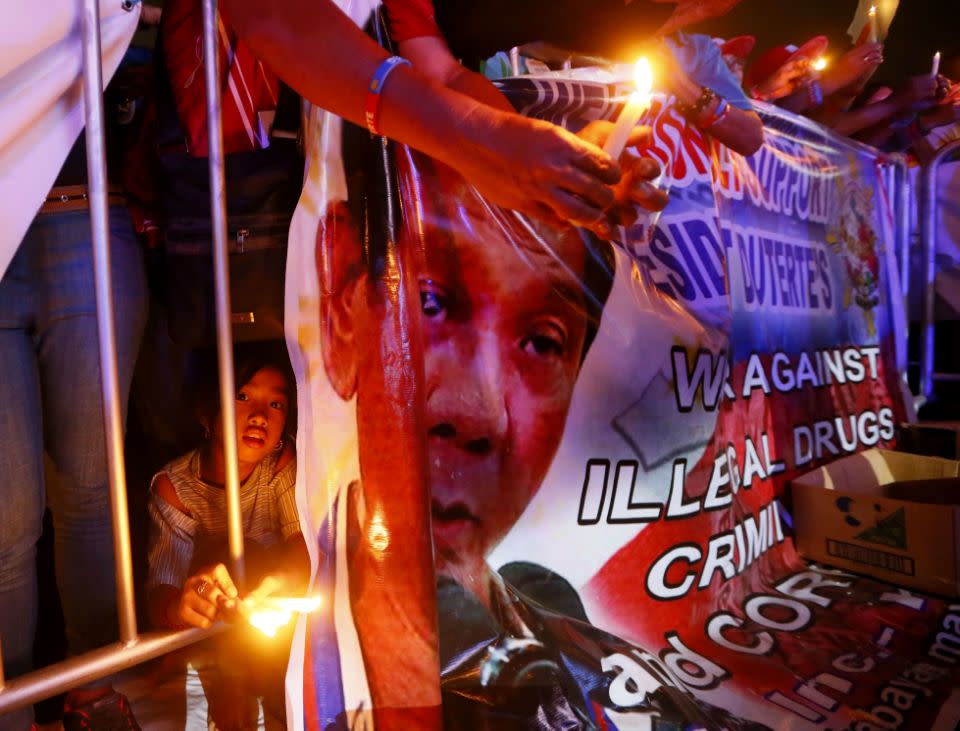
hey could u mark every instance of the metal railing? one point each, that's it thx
(929, 233)
(134, 648)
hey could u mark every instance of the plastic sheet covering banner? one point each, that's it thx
(543, 476)
(41, 99)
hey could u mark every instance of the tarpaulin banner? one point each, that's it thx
(542, 475)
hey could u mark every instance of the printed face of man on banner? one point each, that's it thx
(507, 314)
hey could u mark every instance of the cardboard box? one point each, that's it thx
(891, 515)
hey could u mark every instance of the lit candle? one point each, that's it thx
(636, 105)
(936, 65)
(271, 613)
(820, 64)
(872, 19)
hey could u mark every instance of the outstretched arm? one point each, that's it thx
(431, 57)
(322, 54)
(739, 129)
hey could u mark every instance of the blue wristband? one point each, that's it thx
(377, 81)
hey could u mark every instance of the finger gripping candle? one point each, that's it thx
(637, 103)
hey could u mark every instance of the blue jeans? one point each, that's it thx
(50, 400)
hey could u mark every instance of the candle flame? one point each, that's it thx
(820, 64)
(270, 614)
(269, 621)
(873, 10)
(643, 76)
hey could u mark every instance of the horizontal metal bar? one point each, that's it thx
(61, 677)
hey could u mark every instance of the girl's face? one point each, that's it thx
(262, 406)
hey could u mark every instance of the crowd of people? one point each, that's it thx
(838, 93)
(442, 105)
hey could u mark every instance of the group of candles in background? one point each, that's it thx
(874, 36)
(639, 101)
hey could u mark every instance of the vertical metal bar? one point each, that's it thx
(929, 233)
(218, 211)
(109, 381)
(904, 208)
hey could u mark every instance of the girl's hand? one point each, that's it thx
(205, 596)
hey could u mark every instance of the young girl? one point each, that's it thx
(189, 584)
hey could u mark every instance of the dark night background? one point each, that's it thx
(919, 29)
(615, 29)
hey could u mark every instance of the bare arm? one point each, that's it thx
(739, 130)
(848, 123)
(431, 57)
(919, 94)
(853, 70)
(878, 135)
(323, 55)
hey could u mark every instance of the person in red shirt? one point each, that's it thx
(321, 53)
(413, 27)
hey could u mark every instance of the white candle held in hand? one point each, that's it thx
(637, 104)
(935, 69)
(872, 19)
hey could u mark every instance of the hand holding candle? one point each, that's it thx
(633, 110)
